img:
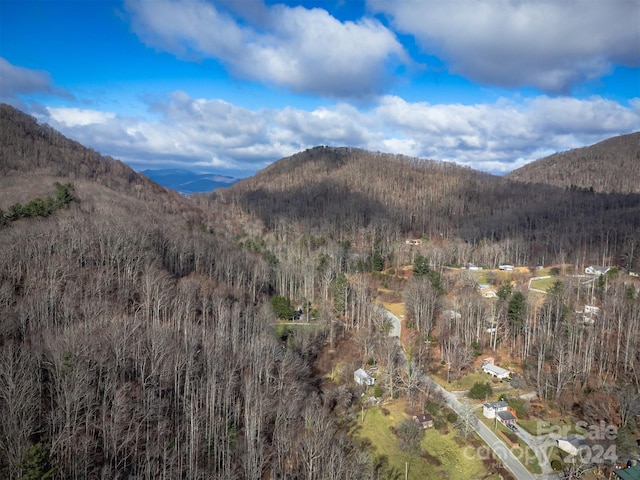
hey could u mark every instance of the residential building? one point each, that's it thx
(362, 377)
(572, 444)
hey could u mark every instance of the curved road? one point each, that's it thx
(499, 448)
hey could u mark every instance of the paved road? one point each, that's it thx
(498, 446)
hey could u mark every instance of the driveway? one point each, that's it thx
(540, 445)
(396, 328)
(498, 446)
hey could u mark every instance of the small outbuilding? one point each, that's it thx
(572, 444)
(506, 417)
(425, 420)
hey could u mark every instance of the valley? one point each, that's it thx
(137, 335)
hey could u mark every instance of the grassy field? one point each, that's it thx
(555, 425)
(444, 456)
(396, 308)
(544, 284)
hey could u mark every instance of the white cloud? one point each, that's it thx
(305, 50)
(74, 117)
(502, 136)
(496, 137)
(548, 44)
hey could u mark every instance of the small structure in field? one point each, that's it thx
(424, 419)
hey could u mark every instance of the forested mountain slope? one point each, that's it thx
(342, 190)
(136, 337)
(32, 154)
(134, 342)
(609, 166)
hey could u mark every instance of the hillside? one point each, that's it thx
(134, 342)
(144, 334)
(609, 166)
(32, 155)
(344, 190)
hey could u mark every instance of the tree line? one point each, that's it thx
(39, 207)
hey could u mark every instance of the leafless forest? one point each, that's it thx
(137, 336)
(609, 166)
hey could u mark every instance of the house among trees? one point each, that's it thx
(490, 409)
(596, 270)
(362, 377)
(572, 444)
(486, 291)
(500, 410)
(494, 370)
(424, 419)
(591, 309)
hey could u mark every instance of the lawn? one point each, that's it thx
(441, 448)
(396, 308)
(544, 284)
(559, 426)
(467, 381)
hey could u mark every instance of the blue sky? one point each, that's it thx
(232, 85)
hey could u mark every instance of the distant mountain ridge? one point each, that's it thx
(188, 181)
(345, 190)
(612, 165)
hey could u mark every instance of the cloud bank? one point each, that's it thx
(347, 70)
(496, 137)
(547, 44)
(305, 50)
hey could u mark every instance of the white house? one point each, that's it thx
(591, 309)
(572, 444)
(363, 377)
(596, 270)
(496, 371)
(490, 409)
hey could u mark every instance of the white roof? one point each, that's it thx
(496, 370)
